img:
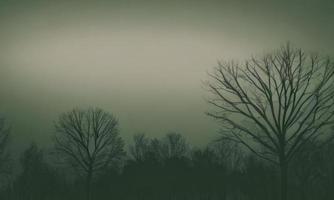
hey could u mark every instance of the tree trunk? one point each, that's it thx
(88, 185)
(284, 179)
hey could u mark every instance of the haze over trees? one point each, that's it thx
(276, 115)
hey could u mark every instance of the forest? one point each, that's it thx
(170, 168)
(276, 142)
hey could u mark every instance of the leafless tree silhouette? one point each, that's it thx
(140, 148)
(275, 104)
(89, 140)
(172, 146)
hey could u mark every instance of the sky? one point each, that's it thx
(144, 61)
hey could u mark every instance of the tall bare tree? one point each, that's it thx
(89, 140)
(275, 104)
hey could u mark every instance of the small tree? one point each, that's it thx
(274, 105)
(89, 140)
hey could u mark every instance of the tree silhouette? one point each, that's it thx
(274, 105)
(140, 150)
(173, 146)
(37, 180)
(209, 173)
(90, 142)
(157, 166)
(4, 155)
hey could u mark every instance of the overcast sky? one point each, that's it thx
(144, 61)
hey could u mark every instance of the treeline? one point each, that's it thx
(166, 168)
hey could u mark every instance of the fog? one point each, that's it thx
(145, 62)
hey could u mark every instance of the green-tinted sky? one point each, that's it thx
(142, 60)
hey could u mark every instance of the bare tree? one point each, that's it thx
(275, 104)
(140, 148)
(89, 140)
(176, 146)
(172, 146)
